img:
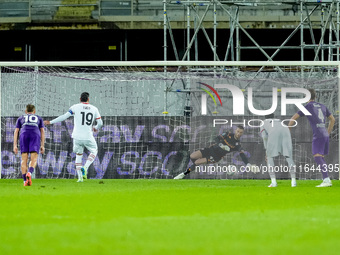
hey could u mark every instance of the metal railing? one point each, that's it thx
(108, 10)
(15, 9)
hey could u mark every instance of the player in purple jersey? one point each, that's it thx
(31, 138)
(320, 144)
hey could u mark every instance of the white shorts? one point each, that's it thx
(79, 145)
(280, 144)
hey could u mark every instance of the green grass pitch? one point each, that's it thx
(168, 217)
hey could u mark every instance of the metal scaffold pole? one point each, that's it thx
(313, 15)
(337, 30)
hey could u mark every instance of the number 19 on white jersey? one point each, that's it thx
(84, 117)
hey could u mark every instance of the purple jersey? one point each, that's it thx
(318, 118)
(29, 123)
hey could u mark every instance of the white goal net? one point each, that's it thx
(153, 114)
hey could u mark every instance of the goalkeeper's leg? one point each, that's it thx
(197, 159)
(190, 168)
(198, 162)
(188, 171)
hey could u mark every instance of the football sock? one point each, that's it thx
(292, 169)
(80, 175)
(273, 179)
(79, 159)
(271, 170)
(323, 166)
(31, 170)
(192, 167)
(79, 166)
(89, 160)
(24, 177)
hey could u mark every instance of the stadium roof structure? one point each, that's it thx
(247, 2)
(324, 13)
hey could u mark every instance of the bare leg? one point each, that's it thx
(34, 159)
(197, 160)
(196, 157)
(33, 162)
(320, 160)
(24, 158)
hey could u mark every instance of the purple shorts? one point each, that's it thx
(320, 145)
(29, 142)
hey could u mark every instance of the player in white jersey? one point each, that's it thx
(85, 115)
(277, 141)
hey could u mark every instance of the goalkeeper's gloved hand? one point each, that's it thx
(253, 168)
(224, 147)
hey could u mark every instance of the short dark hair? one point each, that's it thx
(312, 94)
(30, 108)
(269, 116)
(240, 127)
(84, 96)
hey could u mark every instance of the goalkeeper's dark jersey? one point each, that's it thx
(215, 152)
(228, 139)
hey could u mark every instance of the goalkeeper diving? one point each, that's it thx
(225, 143)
